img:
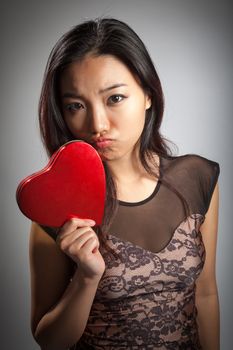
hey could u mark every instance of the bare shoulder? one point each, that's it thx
(206, 283)
(51, 271)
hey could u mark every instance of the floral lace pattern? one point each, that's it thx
(146, 300)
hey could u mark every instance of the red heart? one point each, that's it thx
(72, 184)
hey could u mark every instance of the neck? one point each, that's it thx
(129, 174)
(129, 168)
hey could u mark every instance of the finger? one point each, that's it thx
(77, 248)
(66, 239)
(77, 239)
(91, 246)
(72, 224)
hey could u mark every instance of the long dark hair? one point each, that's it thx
(101, 37)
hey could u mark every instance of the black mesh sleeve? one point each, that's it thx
(210, 173)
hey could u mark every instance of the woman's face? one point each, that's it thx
(104, 105)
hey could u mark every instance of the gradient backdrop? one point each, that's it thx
(191, 45)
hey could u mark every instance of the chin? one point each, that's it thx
(107, 155)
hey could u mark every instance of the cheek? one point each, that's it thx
(130, 121)
(136, 120)
(136, 112)
(75, 125)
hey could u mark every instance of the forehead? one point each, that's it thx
(96, 72)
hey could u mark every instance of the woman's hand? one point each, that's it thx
(77, 239)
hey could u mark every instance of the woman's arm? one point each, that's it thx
(60, 307)
(206, 293)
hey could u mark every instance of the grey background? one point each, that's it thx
(191, 45)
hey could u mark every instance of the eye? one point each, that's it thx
(115, 99)
(72, 107)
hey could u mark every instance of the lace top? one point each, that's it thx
(146, 297)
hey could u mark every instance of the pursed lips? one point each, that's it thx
(103, 143)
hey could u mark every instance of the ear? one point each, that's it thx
(148, 102)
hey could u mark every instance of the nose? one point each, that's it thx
(99, 123)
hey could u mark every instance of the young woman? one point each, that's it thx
(148, 280)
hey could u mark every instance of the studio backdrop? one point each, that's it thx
(191, 45)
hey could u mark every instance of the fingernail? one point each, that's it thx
(91, 222)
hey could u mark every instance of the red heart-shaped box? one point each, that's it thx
(71, 185)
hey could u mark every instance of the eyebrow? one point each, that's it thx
(114, 86)
(111, 87)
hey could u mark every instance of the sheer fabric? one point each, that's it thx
(152, 222)
(146, 297)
